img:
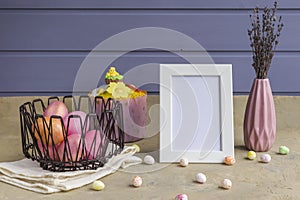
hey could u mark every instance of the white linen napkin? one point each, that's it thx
(27, 174)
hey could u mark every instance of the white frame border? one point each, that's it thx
(224, 71)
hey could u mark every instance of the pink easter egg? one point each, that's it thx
(49, 150)
(75, 124)
(94, 141)
(72, 149)
(181, 197)
(56, 108)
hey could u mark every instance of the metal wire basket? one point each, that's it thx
(101, 134)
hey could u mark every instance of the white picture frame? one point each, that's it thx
(196, 117)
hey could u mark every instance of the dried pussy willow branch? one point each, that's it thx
(264, 35)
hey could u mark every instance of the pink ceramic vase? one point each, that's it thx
(260, 117)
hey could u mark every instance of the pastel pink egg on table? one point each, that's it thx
(229, 160)
(226, 184)
(137, 181)
(181, 197)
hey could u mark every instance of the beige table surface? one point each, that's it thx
(279, 179)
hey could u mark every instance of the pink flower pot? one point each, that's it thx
(260, 117)
(134, 117)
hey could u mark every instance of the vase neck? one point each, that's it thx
(261, 79)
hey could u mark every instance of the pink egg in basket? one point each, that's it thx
(48, 150)
(56, 108)
(72, 150)
(75, 124)
(94, 141)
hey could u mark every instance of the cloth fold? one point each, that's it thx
(27, 174)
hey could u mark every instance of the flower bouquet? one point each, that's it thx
(133, 100)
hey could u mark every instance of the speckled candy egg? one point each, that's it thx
(226, 184)
(181, 197)
(200, 178)
(251, 155)
(137, 147)
(137, 181)
(229, 160)
(265, 158)
(184, 162)
(149, 160)
(98, 185)
(284, 150)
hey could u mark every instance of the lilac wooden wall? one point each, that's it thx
(43, 43)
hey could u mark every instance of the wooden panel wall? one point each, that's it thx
(43, 43)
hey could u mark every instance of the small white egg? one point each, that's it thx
(265, 158)
(98, 185)
(181, 197)
(200, 178)
(184, 162)
(226, 184)
(149, 160)
(137, 181)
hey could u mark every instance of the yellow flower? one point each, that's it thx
(100, 91)
(111, 87)
(118, 90)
